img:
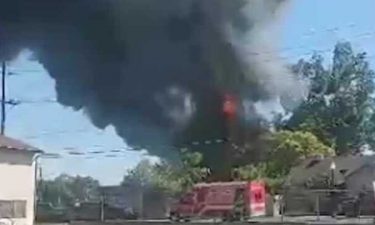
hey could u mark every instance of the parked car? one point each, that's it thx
(92, 211)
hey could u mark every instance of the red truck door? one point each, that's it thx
(200, 199)
(257, 198)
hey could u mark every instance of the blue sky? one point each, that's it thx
(318, 24)
(309, 25)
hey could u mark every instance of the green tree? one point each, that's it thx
(143, 174)
(168, 177)
(65, 190)
(287, 148)
(339, 109)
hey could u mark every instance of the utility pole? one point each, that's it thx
(102, 199)
(3, 98)
(141, 193)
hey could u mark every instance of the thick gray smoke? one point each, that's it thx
(155, 69)
(257, 48)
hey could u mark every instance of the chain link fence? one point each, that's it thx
(327, 202)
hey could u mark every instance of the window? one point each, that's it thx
(12, 208)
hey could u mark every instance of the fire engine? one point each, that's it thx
(226, 200)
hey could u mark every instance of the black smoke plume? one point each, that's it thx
(154, 69)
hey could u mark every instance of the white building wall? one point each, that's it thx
(17, 181)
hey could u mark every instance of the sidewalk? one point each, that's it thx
(313, 220)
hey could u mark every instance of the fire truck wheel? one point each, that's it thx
(174, 217)
(227, 217)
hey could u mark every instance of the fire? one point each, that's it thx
(230, 105)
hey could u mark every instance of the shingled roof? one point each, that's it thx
(345, 166)
(13, 144)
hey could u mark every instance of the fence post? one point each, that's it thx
(102, 208)
(282, 205)
(317, 208)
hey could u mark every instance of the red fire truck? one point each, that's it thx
(226, 200)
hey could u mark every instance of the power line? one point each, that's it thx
(366, 34)
(39, 101)
(112, 152)
(109, 154)
(330, 29)
(48, 133)
(313, 33)
(3, 98)
(119, 152)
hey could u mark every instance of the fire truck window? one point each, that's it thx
(258, 196)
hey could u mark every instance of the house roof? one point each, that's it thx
(316, 169)
(13, 144)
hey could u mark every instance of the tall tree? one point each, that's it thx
(340, 106)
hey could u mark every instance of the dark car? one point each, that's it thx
(92, 211)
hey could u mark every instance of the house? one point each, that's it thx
(18, 181)
(313, 179)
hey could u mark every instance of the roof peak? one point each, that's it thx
(14, 144)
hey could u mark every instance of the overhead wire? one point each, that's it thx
(366, 34)
(111, 152)
(48, 133)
